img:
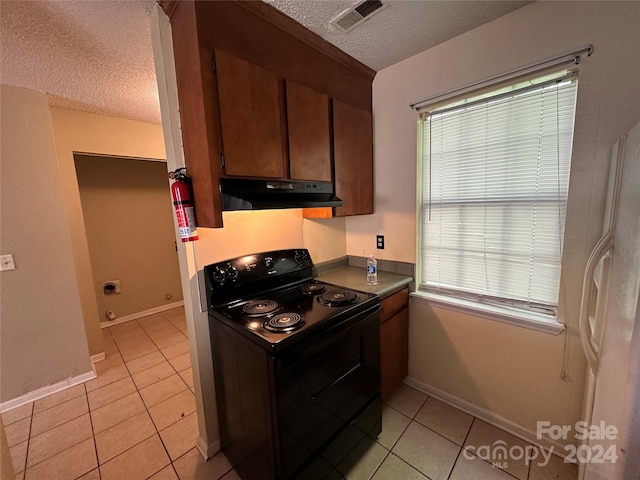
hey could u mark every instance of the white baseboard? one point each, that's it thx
(45, 391)
(98, 357)
(144, 313)
(492, 418)
(207, 450)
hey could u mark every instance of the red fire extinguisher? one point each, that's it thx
(181, 193)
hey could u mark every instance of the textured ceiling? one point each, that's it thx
(96, 55)
(402, 29)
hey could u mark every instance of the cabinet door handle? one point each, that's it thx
(222, 160)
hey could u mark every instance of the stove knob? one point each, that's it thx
(219, 276)
(302, 258)
(232, 274)
(268, 262)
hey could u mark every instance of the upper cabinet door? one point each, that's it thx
(309, 133)
(353, 156)
(251, 114)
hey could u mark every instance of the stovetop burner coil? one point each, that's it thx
(312, 288)
(258, 308)
(338, 298)
(284, 322)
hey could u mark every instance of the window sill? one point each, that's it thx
(533, 321)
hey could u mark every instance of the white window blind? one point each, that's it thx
(495, 175)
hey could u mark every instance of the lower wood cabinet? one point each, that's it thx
(394, 341)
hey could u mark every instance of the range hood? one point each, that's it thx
(251, 194)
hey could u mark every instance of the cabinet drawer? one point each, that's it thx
(393, 304)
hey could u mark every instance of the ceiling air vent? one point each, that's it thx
(357, 14)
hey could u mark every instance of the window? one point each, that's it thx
(495, 175)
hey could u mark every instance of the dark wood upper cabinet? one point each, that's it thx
(309, 127)
(264, 103)
(251, 118)
(353, 157)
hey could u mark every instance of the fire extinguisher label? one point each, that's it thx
(187, 224)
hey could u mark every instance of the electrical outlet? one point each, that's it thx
(380, 242)
(7, 263)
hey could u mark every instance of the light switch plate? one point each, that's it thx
(7, 263)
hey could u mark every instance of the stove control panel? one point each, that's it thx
(224, 274)
(261, 270)
(302, 258)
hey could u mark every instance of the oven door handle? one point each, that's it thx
(327, 387)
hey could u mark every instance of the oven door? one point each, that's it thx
(322, 384)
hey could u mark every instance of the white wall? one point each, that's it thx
(257, 231)
(325, 238)
(506, 369)
(42, 336)
(83, 132)
(126, 205)
(247, 232)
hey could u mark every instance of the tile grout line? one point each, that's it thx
(93, 433)
(171, 461)
(411, 420)
(85, 393)
(174, 468)
(461, 448)
(399, 437)
(157, 432)
(57, 453)
(378, 467)
(34, 413)
(479, 457)
(131, 374)
(438, 433)
(26, 456)
(58, 405)
(375, 440)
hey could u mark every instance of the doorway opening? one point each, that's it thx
(130, 234)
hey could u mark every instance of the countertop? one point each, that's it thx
(356, 278)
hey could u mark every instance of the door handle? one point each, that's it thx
(586, 335)
(323, 389)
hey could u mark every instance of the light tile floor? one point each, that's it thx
(423, 438)
(137, 420)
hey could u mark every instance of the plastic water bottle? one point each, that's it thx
(372, 271)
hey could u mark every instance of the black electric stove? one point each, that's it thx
(296, 361)
(273, 300)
